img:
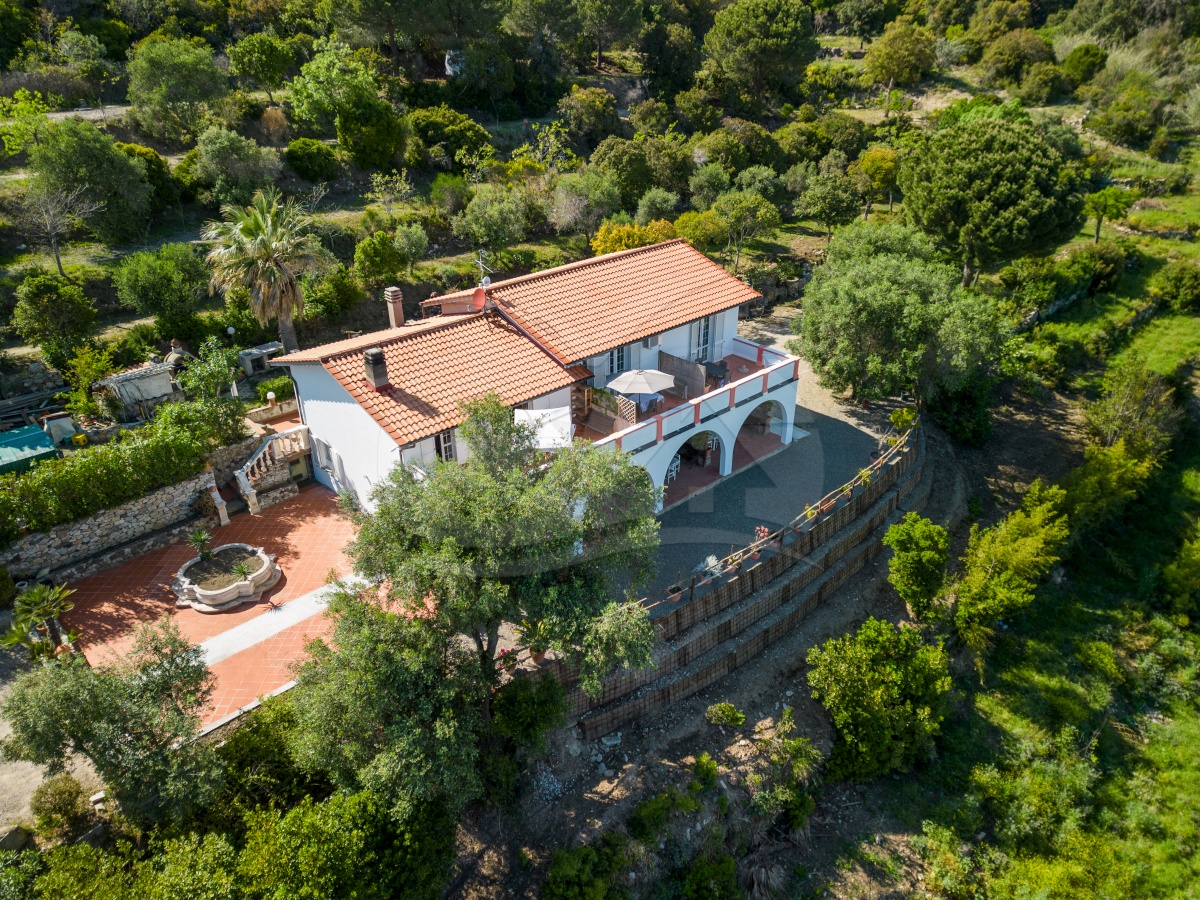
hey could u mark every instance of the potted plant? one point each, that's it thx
(760, 534)
(864, 475)
(536, 636)
(35, 613)
(674, 592)
(508, 659)
(708, 570)
(828, 504)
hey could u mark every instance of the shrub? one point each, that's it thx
(96, 478)
(411, 243)
(1040, 793)
(886, 692)
(59, 807)
(711, 878)
(1138, 406)
(54, 314)
(585, 873)
(656, 203)
(169, 283)
(703, 230)
(651, 816)
(917, 569)
(311, 159)
(708, 183)
(233, 167)
(725, 713)
(376, 259)
(372, 132)
(705, 771)
(447, 129)
(8, 588)
(524, 709)
(332, 295)
(1084, 62)
(965, 409)
(282, 387)
(449, 194)
(614, 236)
(1178, 285)
(164, 186)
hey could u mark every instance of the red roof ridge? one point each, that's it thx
(384, 337)
(565, 267)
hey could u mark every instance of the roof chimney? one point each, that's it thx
(395, 305)
(376, 369)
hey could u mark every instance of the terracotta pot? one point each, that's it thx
(539, 657)
(510, 667)
(755, 554)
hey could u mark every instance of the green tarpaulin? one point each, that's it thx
(21, 446)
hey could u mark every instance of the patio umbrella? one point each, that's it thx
(641, 381)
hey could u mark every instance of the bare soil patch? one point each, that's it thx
(218, 571)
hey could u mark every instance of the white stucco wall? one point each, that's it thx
(364, 451)
(557, 399)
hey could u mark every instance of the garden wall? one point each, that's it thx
(77, 549)
(224, 461)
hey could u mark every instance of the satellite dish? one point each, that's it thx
(478, 299)
(487, 280)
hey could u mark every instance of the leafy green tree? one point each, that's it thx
(312, 160)
(831, 198)
(264, 249)
(331, 80)
(53, 314)
(411, 243)
(608, 21)
(410, 729)
(1178, 285)
(443, 133)
(703, 230)
(372, 131)
(708, 183)
(51, 214)
(1138, 406)
(20, 24)
(1003, 564)
(886, 692)
(494, 539)
(212, 371)
(164, 186)
(656, 204)
(168, 283)
(198, 867)
(171, 83)
(991, 190)
(590, 114)
(376, 259)
(697, 111)
(862, 18)
(626, 161)
(1008, 59)
(1108, 203)
(672, 56)
(1084, 62)
(24, 117)
(762, 180)
(762, 46)
(535, 19)
(882, 315)
(233, 167)
(670, 160)
(136, 721)
(495, 217)
(73, 152)
(346, 846)
(747, 217)
(264, 59)
(875, 172)
(917, 569)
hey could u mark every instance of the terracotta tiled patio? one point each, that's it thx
(751, 448)
(306, 534)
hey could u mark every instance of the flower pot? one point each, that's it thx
(510, 667)
(538, 657)
(755, 554)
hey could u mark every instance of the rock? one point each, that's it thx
(608, 773)
(611, 740)
(602, 769)
(788, 693)
(574, 748)
(13, 838)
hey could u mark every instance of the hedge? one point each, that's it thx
(62, 490)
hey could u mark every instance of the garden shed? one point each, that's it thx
(21, 447)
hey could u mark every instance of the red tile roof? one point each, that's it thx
(585, 308)
(435, 364)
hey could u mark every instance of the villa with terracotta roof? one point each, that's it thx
(549, 344)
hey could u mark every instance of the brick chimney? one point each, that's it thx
(375, 369)
(395, 304)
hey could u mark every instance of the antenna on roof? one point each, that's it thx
(484, 268)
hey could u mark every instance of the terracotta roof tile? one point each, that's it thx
(435, 364)
(585, 308)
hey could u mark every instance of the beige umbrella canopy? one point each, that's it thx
(641, 381)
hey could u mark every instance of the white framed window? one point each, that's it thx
(618, 360)
(703, 334)
(323, 454)
(443, 445)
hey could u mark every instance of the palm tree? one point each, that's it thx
(41, 605)
(264, 248)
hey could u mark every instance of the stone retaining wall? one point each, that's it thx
(224, 461)
(65, 546)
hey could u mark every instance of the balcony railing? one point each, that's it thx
(780, 369)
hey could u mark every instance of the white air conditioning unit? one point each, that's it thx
(650, 343)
